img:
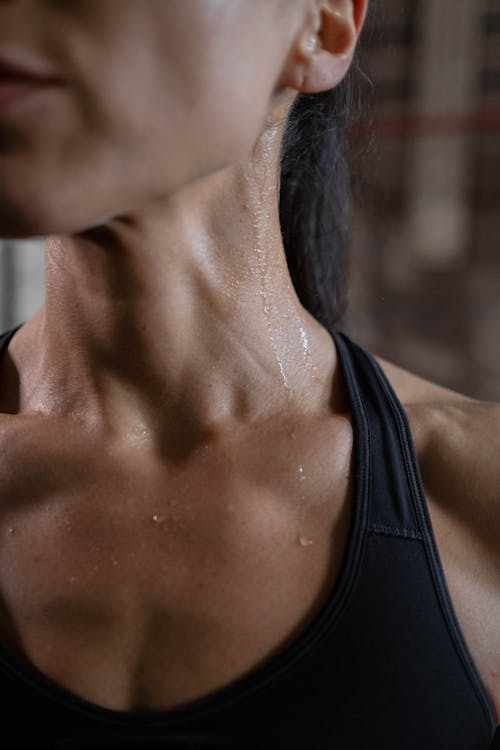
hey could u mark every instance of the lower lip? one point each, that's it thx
(14, 92)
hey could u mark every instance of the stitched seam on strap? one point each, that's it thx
(378, 528)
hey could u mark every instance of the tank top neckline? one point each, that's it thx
(268, 672)
(362, 374)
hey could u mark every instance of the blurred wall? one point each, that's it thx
(22, 281)
(425, 250)
(425, 254)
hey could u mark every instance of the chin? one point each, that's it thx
(37, 219)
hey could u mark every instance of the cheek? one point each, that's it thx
(138, 134)
(80, 174)
(211, 99)
(207, 127)
(176, 131)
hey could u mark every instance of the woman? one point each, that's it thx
(213, 528)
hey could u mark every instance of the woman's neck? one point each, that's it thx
(180, 316)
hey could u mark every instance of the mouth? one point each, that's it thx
(23, 71)
(16, 83)
(15, 89)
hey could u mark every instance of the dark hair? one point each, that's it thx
(315, 196)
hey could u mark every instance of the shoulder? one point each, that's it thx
(457, 441)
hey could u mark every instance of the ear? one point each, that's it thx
(322, 52)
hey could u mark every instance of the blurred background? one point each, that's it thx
(424, 246)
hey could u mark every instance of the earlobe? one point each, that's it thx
(325, 71)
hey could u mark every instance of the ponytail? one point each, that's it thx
(315, 197)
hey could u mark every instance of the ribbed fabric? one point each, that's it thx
(383, 665)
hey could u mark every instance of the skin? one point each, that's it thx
(186, 223)
(153, 173)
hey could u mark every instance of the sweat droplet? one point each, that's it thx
(305, 542)
(11, 530)
(305, 342)
(155, 517)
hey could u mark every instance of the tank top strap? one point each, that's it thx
(6, 336)
(393, 467)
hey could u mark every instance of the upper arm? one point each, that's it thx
(458, 447)
(457, 440)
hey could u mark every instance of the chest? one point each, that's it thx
(136, 591)
(140, 596)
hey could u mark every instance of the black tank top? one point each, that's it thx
(383, 665)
